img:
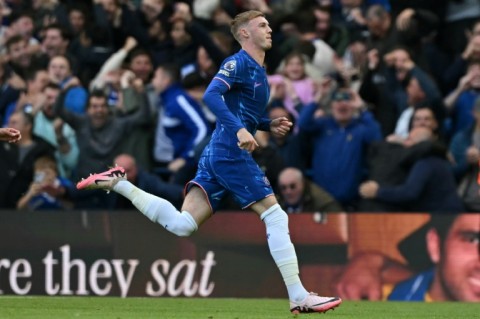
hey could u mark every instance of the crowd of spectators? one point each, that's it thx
(384, 96)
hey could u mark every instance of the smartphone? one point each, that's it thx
(39, 177)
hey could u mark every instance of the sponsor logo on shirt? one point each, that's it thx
(224, 72)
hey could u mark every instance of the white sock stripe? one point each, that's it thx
(285, 254)
(269, 211)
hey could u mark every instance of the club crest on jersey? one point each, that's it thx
(230, 65)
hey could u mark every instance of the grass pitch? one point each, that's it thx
(13, 307)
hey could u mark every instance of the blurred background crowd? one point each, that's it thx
(384, 96)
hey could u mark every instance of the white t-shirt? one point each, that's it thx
(403, 122)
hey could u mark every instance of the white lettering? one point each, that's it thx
(49, 262)
(123, 282)
(187, 286)
(157, 276)
(224, 72)
(167, 280)
(6, 264)
(100, 269)
(67, 266)
(15, 273)
(206, 288)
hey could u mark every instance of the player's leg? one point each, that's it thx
(283, 252)
(155, 208)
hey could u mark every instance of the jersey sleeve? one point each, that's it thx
(264, 124)
(224, 80)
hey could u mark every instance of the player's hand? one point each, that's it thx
(246, 141)
(10, 135)
(280, 126)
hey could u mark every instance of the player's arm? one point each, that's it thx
(264, 124)
(213, 98)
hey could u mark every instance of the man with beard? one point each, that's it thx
(452, 246)
(100, 135)
(56, 132)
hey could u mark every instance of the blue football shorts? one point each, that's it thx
(242, 177)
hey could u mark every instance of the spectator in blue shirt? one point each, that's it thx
(183, 119)
(340, 142)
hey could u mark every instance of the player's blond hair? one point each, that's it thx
(241, 20)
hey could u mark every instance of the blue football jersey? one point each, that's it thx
(238, 96)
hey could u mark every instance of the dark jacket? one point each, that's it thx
(389, 165)
(16, 176)
(429, 187)
(314, 199)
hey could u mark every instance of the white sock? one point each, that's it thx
(283, 252)
(157, 209)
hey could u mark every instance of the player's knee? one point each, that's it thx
(183, 231)
(183, 226)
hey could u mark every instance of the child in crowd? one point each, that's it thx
(47, 190)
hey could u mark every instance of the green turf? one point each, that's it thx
(186, 308)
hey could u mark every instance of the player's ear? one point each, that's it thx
(244, 32)
(433, 245)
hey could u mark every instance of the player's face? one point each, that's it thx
(459, 268)
(260, 32)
